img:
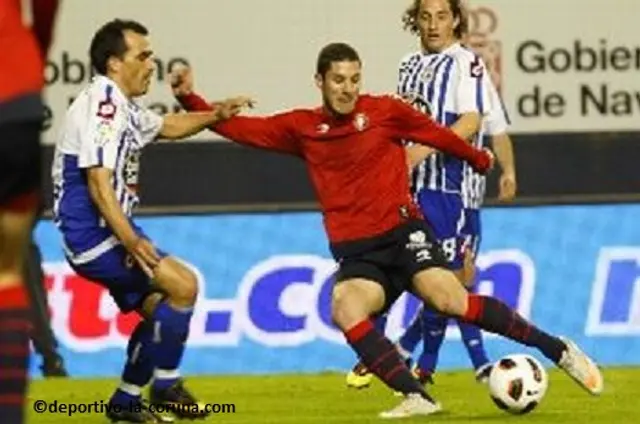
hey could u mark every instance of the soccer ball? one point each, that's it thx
(517, 383)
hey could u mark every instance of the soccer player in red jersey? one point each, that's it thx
(358, 166)
(24, 50)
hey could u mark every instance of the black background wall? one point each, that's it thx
(192, 177)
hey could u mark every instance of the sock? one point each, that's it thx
(170, 332)
(381, 358)
(434, 326)
(126, 394)
(15, 327)
(412, 335)
(140, 354)
(473, 341)
(493, 315)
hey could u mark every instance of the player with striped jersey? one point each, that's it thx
(448, 82)
(95, 174)
(495, 125)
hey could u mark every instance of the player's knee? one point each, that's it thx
(443, 290)
(177, 281)
(346, 311)
(184, 289)
(450, 301)
(187, 290)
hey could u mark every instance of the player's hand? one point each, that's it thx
(145, 255)
(181, 80)
(508, 187)
(485, 161)
(232, 106)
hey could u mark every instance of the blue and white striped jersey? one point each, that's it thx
(495, 123)
(102, 128)
(445, 86)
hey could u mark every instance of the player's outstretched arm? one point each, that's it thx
(409, 124)
(275, 132)
(180, 125)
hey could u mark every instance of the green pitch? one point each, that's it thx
(324, 399)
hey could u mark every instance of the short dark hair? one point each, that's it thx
(335, 52)
(410, 17)
(109, 41)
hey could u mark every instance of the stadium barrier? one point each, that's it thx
(266, 280)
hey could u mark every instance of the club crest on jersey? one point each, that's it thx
(106, 109)
(323, 128)
(427, 74)
(361, 121)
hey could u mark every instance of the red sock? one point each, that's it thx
(14, 297)
(15, 326)
(493, 315)
(382, 358)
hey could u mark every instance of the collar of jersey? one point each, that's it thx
(446, 51)
(116, 90)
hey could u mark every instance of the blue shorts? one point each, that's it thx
(445, 214)
(119, 273)
(472, 231)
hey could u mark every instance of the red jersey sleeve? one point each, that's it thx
(276, 132)
(408, 123)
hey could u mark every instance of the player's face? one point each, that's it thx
(137, 64)
(436, 24)
(340, 86)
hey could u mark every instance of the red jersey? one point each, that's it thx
(22, 57)
(357, 164)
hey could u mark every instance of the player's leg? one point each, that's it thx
(131, 289)
(472, 335)
(42, 337)
(441, 289)
(445, 212)
(170, 317)
(364, 288)
(409, 340)
(354, 301)
(359, 377)
(15, 318)
(19, 199)
(434, 327)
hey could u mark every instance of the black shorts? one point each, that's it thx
(391, 259)
(20, 164)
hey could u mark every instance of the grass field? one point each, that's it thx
(324, 399)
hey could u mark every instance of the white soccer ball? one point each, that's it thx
(518, 383)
